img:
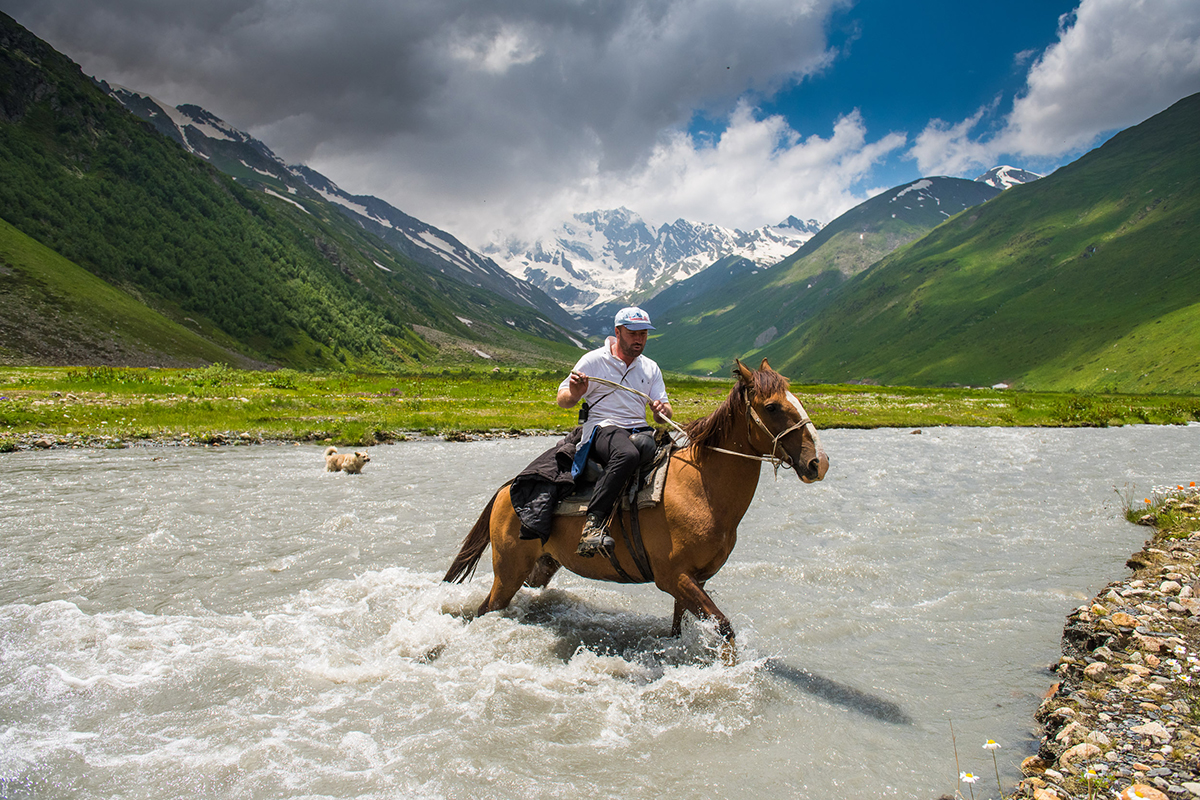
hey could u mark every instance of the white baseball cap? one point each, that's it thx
(633, 319)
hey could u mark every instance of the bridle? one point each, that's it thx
(775, 459)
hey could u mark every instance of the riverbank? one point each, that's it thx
(108, 405)
(1124, 718)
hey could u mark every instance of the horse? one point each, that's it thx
(690, 534)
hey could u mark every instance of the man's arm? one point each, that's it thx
(577, 386)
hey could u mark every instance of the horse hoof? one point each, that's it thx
(729, 654)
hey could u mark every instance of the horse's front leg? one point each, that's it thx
(690, 596)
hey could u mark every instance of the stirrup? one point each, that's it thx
(595, 539)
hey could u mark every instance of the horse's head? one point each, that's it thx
(779, 426)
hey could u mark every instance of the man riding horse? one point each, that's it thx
(611, 415)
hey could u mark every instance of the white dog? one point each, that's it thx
(351, 463)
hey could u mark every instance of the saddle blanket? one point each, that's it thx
(650, 493)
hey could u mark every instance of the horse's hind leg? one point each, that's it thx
(690, 596)
(543, 570)
(513, 558)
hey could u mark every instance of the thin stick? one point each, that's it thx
(607, 382)
(957, 769)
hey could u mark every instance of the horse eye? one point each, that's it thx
(773, 407)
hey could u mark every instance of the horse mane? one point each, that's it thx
(719, 424)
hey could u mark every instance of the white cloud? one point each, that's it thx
(1115, 64)
(757, 172)
(945, 149)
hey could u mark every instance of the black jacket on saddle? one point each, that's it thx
(537, 489)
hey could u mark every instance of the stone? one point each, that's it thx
(1074, 731)
(1170, 587)
(1124, 620)
(1045, 794)
(1141, 791)
(1033, 766)
(1080, 752)
(1095, 671)
(1153, 729)
(1150, 644)
(1098, 738)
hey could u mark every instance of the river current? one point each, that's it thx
(236, 622)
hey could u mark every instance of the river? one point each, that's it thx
(236, 622)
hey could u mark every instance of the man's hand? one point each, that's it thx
(662, 411)
(577, 386)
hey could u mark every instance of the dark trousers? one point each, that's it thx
(614, 451)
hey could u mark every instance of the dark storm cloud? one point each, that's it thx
(422, 100)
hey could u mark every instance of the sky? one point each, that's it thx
(495, 119)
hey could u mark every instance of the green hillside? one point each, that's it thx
(284, 281)
(62, 314)
(706, 331)
(1086, 279)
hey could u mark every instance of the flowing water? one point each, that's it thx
(236, 622)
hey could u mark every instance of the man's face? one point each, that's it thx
(632, 343)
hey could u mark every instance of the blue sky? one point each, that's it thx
(499, 120)
(901, 69)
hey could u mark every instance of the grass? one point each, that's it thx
(108, 405)
(1173, 510)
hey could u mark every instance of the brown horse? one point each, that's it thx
(690, 534)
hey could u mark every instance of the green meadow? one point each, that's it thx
(114, 407)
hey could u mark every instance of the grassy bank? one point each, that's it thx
(117, 406)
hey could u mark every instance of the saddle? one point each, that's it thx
(644, 492)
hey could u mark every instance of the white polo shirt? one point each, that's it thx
(608, 404)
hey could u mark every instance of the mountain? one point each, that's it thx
(281, 278)
(1005, 177)
(612, 258)
(253, 163)
(1087, 279)
(754, 307)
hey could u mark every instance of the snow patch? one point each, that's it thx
(913, 187)
(288, 200)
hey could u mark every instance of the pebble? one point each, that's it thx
(1127, 702)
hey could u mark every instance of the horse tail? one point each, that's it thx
(476, 541)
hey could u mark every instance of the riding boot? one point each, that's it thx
(595, 538)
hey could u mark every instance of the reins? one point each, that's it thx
(774, 459)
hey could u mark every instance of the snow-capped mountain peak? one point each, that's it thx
(1003, 177)
(599, 256)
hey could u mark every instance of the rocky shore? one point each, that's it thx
(1123, 720)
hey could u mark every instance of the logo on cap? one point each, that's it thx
(634, 319)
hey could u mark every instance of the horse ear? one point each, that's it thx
(743, 373)
(764, 366)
